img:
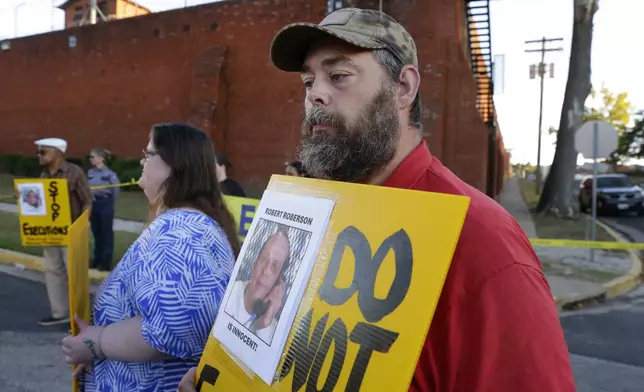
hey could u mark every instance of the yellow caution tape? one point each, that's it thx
(123, 184)
(131, 182)
(534, 241)
(586, 244)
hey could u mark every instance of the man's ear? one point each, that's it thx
(408, 86)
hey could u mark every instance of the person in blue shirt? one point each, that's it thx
(102, 216)
(154, 312)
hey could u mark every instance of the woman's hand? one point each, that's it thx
(84, 348)
(187, 383)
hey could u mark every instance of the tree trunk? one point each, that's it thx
(557, 190)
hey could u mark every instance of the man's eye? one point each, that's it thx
(308, 84)
(338, 77)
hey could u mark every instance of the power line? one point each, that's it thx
(541, 70)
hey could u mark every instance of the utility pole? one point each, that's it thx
(541, 70)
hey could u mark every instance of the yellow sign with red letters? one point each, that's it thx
(368, 304)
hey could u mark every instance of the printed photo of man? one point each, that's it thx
(33, 199)
(256, 303)
(32, 202)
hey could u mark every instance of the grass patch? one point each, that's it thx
(548, 226)
(130, 205)
(587, 274)
(10, 238)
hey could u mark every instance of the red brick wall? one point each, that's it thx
(209, 65)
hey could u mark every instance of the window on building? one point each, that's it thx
(333, 5)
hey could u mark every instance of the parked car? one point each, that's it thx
(615, 193)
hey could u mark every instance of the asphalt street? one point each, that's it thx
(605, 342)
(30, 356)
(635, 223)
(607, 345)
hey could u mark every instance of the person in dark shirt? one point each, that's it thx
(102, 218)
(229, 186)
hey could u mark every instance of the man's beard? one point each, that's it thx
(351, 153)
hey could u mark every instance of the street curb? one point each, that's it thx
(623, 284)
(35, 263)
(613, 288)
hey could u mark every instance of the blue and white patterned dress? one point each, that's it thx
(174, 276)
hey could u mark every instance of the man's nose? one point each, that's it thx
(267, 271)
(319, 94)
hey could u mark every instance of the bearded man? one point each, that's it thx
(496, 328)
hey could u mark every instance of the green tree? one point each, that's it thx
(631, 142)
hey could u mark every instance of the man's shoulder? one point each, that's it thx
(490, 241)
(73, 169)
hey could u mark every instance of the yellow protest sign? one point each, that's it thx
(372, 293)
(45, 216)
(243, 210)
(78, 275)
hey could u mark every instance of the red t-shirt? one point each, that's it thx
(496, 328)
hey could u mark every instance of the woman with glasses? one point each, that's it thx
(153, 314)
(102, 180)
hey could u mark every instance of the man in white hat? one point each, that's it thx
(51, 157)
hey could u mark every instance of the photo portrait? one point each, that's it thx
(32, 199)
(265, 277)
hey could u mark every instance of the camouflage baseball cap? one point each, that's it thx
(364, 28)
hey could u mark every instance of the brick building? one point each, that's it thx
(77, 11)
(106, 84)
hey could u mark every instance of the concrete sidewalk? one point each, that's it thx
(119, 224)
(511, 199)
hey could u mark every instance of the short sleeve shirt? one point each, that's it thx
(174, 276)
(495, 328)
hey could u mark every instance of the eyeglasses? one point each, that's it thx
(41, 152)
(147, 154)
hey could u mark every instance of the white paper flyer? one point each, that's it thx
(269, 278)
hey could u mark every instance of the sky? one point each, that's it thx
(616, 34)
(613, 63)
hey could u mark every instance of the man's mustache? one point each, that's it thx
(319, 116)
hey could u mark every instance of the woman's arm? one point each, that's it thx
(123, 341)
